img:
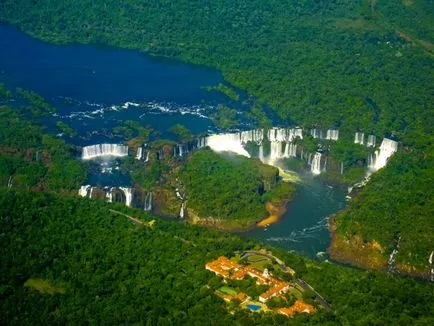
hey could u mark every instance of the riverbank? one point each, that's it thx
(354, 250)
(276, 211)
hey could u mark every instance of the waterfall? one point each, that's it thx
(91, 191)
(316, 133)
(286, 150)
(332, 134)
(275, 151)
(148, 202)
(290, 150)
(227, 143)
(430, 260)
(359, 138)
(182, 211)
(100, 150)
(371, 160)
(83, 190)
(309, 159)
(10, 182)
(201, 142)
(178, 194)
(282, 134)
(261, 153)
(139, 155)
(342, 167)
(147, 156)
(256, 136)
(109, 195)
(371, 141)
(387, 149)
(316, 164)
(392, 260)
(128, 195)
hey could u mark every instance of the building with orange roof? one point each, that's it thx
(240, 296)
(298, 307)
(278, 288)
(228, 269)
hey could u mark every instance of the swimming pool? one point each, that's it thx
(254, 307)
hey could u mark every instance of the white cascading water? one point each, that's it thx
(316, 164)
(147, 156)
(227, 143)
(282, 134)
(316, 133)
(292, 150)
(109, 195)
(91, 191)
(430, 261)
(342, 167)
(148, 202)
(128, 195)
(359, 138)
(139, 155)
(256, 135)
(275, 152)
(371, 161)
(182, 211)
(379, 159)
(84, 190)
(332, 134)
(371, 142)
(309, 159)
(101, 150)
(261, 153)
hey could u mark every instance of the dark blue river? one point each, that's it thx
(97, 87)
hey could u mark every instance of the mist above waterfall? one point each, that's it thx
(227, 143)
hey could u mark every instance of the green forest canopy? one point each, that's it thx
(100, 268)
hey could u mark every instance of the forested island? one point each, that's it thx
(361, 67)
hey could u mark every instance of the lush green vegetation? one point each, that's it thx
(132, 131)
(181, 132)
(38, 105)
(376, 214)
(69, 260)
(66, 129)
(213, 184)
(4, 92)
(225, 117)
(225, 89)
(31, 159)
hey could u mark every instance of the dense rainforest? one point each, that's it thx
(30, 159)
(71, 260)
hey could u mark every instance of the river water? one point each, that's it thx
(98, 87)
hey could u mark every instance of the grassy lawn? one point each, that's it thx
(258, 261)
(43, 286)
(228, 290)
